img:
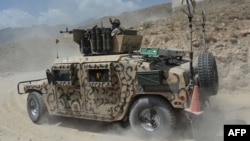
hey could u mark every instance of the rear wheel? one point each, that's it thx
(208, 75)
(35, 106)
(152, 117)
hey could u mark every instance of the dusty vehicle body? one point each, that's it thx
(116, 80)
(103, 87)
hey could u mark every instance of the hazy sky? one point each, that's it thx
(18, 13)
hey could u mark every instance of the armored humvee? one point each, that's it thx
(116, 79)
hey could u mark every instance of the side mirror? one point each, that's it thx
(49, 76)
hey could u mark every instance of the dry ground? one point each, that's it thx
(16, 125)
(228, 39)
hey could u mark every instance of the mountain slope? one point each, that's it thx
(227, 36)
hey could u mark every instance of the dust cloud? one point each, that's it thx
(34, 53)
(26, 60)
(29, 58)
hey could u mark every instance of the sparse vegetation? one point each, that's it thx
(227, 35)
(227, 28)
(146, 25)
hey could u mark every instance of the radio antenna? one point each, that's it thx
(57, 56)
(57, 41)
(203, 30)
(190, 17)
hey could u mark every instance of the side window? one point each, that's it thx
(62, 75)
(98, 75)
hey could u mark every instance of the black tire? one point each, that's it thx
(35, 106)
(152, 117)
(207, 75)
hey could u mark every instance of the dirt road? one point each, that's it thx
(16, 125)
(231, 105)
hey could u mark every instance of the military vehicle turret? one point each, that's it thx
(116, 80)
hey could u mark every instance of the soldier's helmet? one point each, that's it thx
(116, 21)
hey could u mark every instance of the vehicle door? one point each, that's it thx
(67, 87)
(101, 89)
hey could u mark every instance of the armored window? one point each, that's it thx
(98, 75)
(62, 75)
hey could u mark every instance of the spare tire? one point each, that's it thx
(207, 75)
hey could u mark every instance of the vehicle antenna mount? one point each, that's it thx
(190, 17)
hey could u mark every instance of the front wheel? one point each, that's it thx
(152, 117)
(35, 106)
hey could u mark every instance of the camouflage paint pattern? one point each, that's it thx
(107, 101)
(104, 87)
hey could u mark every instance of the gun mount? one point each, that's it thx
(98, 41)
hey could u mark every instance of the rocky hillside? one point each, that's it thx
(133, 18)
(227, 36)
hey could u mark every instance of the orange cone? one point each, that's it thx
(195, 103)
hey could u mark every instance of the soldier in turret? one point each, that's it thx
(116, 29)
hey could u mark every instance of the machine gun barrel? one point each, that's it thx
(67, 31)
